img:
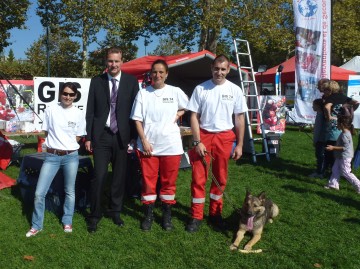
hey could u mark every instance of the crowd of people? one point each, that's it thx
(119, 117)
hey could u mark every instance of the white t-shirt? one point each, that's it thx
(157, 109)
(63, 125)
(216, 104)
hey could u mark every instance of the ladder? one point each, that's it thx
(249, 88)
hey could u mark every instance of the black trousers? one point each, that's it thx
(329, 156)
(109, 149)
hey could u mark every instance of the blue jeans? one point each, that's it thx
(69, 164)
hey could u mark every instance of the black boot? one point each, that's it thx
(149, 217)
(166, 221)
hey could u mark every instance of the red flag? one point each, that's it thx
(6, 181)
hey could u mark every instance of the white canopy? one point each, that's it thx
(353, 64)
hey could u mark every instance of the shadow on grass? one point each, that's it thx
(353, 220)
(26, 202)
(279, 168)
(326, 194)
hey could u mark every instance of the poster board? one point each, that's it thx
(15, 111)
(274, 110)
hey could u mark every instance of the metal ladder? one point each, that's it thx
(249, 88)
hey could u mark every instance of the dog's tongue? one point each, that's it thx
(250, 223)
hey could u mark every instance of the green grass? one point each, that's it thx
(315, 226)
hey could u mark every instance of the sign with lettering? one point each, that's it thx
(46, 93)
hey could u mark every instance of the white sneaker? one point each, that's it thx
(32, 232)
(68, 228)
(331, 187)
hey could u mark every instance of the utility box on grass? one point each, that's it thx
(273, 142)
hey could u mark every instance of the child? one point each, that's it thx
(344, 152)
(319, 138)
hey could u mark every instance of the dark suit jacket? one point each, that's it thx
(98, 107)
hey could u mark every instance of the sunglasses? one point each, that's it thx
(68, 94)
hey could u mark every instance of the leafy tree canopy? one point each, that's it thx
(64, 57)
(12, 15)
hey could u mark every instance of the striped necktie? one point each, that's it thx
(113, 98)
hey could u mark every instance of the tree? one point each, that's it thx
(346, 30)
(167, 46)
(97, 57)
(11, 56)
(268, 25)
(12, 15)
(64, 57)
(16, 70)
(85, 18)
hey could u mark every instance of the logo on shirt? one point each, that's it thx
(227, 97)
(168, 100)
(71, 124)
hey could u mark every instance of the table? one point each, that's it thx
(28, 177)
(9, 134)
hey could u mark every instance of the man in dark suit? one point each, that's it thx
(109, 131)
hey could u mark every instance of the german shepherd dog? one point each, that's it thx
(255, 212)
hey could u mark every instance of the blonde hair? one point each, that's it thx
(332, 86)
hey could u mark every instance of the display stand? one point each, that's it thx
(28, 177)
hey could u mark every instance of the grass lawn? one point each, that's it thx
(316, 228)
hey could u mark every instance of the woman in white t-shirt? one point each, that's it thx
(63, 124)
(156, 110)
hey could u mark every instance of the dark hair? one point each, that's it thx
(160, 61)
(220, 58)
(318, 102)
(70, 85)
(321, 83)
(346, 122)
(347, 110)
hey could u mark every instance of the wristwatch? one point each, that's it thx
(196, 142)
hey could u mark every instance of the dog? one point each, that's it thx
(256, 211)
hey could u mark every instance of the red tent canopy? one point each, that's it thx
(288, 73)
(185, 70)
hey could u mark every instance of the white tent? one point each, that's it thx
(353, 64)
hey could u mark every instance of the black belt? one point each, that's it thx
(59, 152)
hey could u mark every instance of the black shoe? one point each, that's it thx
(166, 221)
(91, 226)
(118, 221)
(193, 225)
(149, 217)
(217, 222)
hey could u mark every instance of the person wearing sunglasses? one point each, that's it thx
(64, 124)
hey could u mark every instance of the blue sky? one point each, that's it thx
(22, 39)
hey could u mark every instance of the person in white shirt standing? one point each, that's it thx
(212, 106)
(159, 147)
(64, 125)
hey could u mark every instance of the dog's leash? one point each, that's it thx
(209, 169)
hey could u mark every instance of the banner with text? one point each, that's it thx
(312, 54)
(46, 92)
